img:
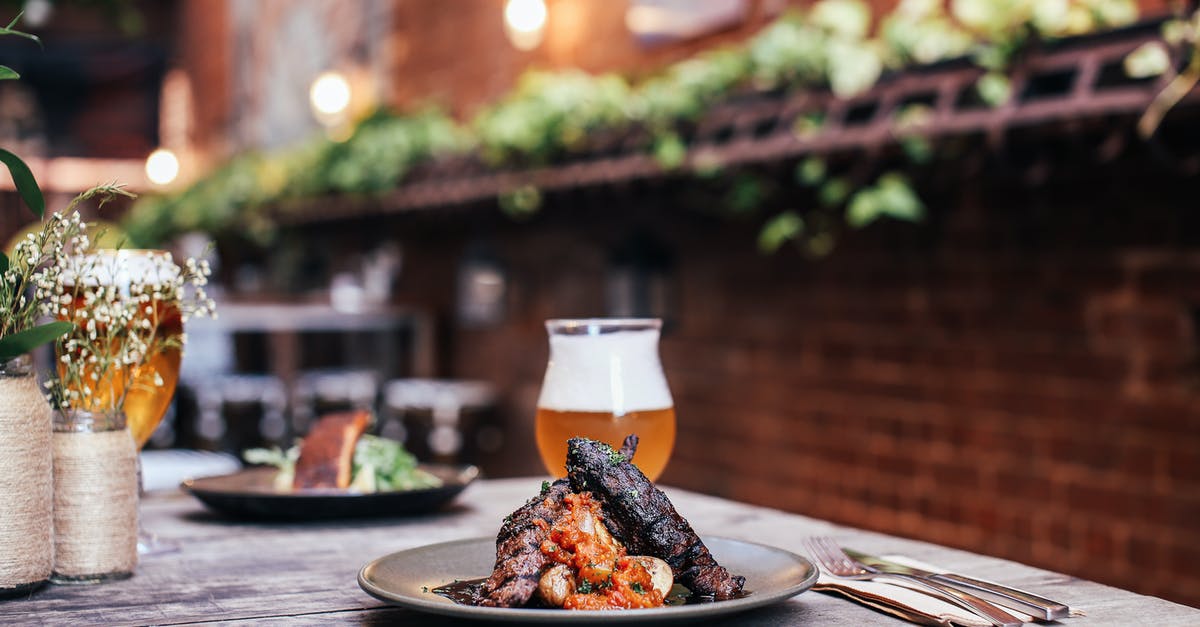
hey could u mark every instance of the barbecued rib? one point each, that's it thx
(327, 452)
(519, 557)
(640, 515)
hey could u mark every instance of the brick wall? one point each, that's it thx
(1017, 376)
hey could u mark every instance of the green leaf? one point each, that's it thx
(891, 196)
(779, 230)
(29, 339)
(808, 125)
(1150, 59)
(9, 30)
(994, 88)
(811, 171)
(3, 263)
(1175, 32)
(863, 208)
(521, 202)
(917, 148)
(26, 185)
(7, 73)
(670, 152)
(820, 245)
(898, 200)
(850, 19)
(746, 195)
(833, 192)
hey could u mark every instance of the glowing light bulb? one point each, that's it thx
(162, 166)
(329, 94)
(525, 22)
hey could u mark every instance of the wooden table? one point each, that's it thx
(304, 573)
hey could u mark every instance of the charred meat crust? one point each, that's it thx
(519, 557)
(640, 515)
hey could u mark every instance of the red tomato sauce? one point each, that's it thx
(605, 576)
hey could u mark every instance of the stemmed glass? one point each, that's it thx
(604, 381)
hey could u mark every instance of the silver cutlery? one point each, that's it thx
(838, 564)
(1037, 606)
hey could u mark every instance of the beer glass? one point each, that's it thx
(152, 272)
(604, 381)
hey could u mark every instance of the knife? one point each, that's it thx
(1039, 607)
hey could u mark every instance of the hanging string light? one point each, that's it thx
(525, 23)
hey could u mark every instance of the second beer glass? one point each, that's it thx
(604, 381)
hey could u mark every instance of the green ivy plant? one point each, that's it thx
(551, 116)
(1154, 59)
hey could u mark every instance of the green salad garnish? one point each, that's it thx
(379, 465)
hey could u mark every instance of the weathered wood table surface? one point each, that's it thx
(305, 573)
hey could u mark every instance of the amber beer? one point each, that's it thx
(147, 400)
(604, 381)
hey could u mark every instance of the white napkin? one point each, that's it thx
(165, 469)
(906, 600)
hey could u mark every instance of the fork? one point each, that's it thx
(838, 564)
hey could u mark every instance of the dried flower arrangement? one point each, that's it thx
(127, 309)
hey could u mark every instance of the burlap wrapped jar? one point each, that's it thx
(95, 497)
(26, 484)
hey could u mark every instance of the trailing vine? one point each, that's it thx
(834, 45)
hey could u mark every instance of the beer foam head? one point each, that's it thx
(616, 372)
(121, 267)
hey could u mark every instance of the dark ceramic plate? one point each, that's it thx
(405, 578)
(249, 494)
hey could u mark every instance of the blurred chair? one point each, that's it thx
(318, 392)
(446, 402)
(209, 373)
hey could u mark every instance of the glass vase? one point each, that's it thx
(95, 498)
(26, 548)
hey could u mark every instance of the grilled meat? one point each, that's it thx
(640, 516)
(327, 452)
(519, 558)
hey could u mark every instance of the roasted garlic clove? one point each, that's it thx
(558, 583)
(661, 576)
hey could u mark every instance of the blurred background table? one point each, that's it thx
(305, 573)
(262, 371)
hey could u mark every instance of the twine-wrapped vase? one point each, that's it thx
(26, 550)
(95, 498)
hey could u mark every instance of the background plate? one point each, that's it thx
(249, 494)
(772, 575)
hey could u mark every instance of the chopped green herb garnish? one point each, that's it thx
(637, 587)
(545, 487)
(614, 457)
(585, 587)
(424, 588)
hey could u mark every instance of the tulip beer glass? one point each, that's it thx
(142, 272)
(604, 381)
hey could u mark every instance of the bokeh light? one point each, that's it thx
(329, 94)
(162, 167)
(525, 22)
